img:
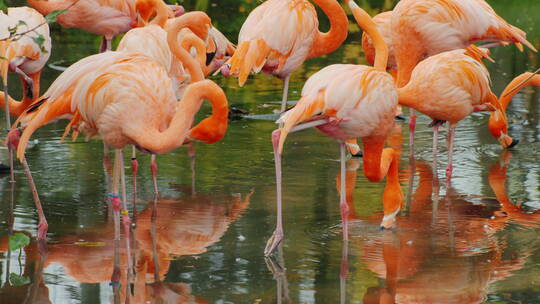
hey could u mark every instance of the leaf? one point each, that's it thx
(51, 18)
(39, 40)
(17, 280)
(18, 240)
(21, 22)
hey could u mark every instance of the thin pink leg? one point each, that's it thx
(435, 148)
(344, 272)
(42, 225)
(412, 127)
(277, 236)
(343, 195)
(134, 170)
(191, 153)
(153, 168)
(451, 133)
(125, 214)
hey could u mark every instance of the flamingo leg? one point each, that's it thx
(153, 168)
(8, 124)
(344, 273)
(412, 127)
(435, 143)
(106, 45)
(343, 195)
(42, 224)
(107, 163)
(191, 153)
(450, 143)
(134, 169)
(285, 93)
(125, 214)
(27, 80)
(277, 236)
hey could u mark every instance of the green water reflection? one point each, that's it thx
(455, 245)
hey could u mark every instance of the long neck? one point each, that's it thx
(378, 163)
(174, 136)
(146, 8)
(328, 42)
(190, 40)
(197, 22)
(16, 108)
(366, 23)
(213, 128)
(520, 82)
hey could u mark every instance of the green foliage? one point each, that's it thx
(18, 280)
(18, 240)
(3, 5)
(51, 18)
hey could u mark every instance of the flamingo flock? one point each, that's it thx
(146, 93)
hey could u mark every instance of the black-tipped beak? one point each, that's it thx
(401, 117)
(359, 154)
(514, 142)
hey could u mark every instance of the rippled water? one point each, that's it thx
(475, 241)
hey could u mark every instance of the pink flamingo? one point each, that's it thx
(423, 28)
(345, 102)
(279, 35)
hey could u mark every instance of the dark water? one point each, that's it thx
(475, 241)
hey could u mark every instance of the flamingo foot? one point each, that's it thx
(449, 170)
(43, 226)
(273, 242)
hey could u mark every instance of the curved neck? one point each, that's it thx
(190, 40)
(16, 108)
(213, 128)
(520, 82)
(328, 42)
(197, 22)
(161, 142)
(145, 8)
(366, 23)
(378, 163)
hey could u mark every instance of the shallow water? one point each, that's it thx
(474, 241)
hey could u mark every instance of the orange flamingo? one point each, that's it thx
(498, 122)
(279, 35)
(24, 56)
(104, 101)
(107, 18)
(382, 21)
(448, 87)
(423, 28)
(21, 28)
(345, 102)
(163, 46)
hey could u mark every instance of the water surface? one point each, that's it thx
(202, 241)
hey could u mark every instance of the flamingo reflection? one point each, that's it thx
(166, 229)
(440, 253)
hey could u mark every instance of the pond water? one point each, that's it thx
(473, 241)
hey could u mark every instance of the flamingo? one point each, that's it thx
(498, 122)
(279, 35)
(345, 102)
(105, 101)
(422, 28)
(107, 18)
(448, 87)
(20, 53)
(163, 46)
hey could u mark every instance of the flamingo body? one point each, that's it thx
(101, 17)
(361, 99)
(448, 86)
